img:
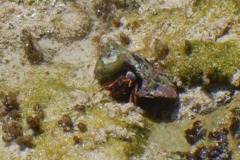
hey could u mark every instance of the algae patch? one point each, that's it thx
(210, 27)
(50, 86)
(208, 63)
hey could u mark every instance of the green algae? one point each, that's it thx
(216, 61)
(193, 68)
(202, 7)
(136, 147)
(48, 85)
(209, 61)
(43, 85)
(95, 118)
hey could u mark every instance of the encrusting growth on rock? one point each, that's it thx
(32, 49)
(66, 123)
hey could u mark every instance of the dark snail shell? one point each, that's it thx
(115, 59)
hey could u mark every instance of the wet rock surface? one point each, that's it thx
(47, 80)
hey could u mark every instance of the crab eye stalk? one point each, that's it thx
(131, 76)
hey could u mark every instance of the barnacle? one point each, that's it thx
(77, 140)
(187, 47)
(196, 133)
(79, 108)
(66, 123)
(14, 114)
(82, 127)
(124, 39)
(24, 141)
(32, 49)
(10, 102)
(39, 111)
(11, 130)
(33, 122)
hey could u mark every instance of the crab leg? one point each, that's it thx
(106, 86)
(133, 96)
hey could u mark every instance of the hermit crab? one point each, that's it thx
(127, 74)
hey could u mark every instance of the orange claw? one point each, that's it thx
(119, 85)
(129, 81)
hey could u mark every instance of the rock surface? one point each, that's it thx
(195, 43)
